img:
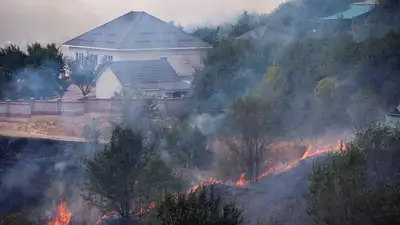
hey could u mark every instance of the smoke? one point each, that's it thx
(207, 123)
(57, 21)
(44, 172)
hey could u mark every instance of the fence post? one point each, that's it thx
(59, 106)
(8, 113)
(85, 106)
(32, 104)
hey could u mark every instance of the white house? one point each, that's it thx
(140, 36)
(154, 78)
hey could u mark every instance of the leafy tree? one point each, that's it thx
(273, 85)
(229, 69)
(359, 185)
(251, 127)
(211, 35)
(187, 145)
(12, 59)
(83, 73)
(201, 207)
(125, 175)
(49, 62)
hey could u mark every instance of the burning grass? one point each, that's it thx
(63, 216)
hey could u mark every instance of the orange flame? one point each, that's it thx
(242, 182)
(308, 153)
(63, 216)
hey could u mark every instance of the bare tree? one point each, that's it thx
(252, 127)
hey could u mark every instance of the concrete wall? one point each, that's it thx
(75, 108)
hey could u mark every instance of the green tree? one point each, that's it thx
(210, 35)
(50, 65)
(202, 207)
(83, 73)
(126, 176)
(251, 126)
(359, 185)
(12, 59)
(273, 85)
(187, 145)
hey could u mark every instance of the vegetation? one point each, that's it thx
(359, 185)
(126, 176)
(83, 72)
(250, 130)
(293, 81)
(14, 219)
(202, 207)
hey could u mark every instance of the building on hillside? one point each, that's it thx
(354, 14)
(153, 78)
(265, 35)
(140, 36)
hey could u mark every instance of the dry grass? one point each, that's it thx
(52, 127)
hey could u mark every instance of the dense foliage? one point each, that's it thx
(126, 175)
(201, 207)
(359, 185)
(37, 73)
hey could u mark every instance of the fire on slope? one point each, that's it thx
(64, 215)
(308, 153)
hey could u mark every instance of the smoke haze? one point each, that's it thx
(56, 21)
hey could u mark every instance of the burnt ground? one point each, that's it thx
(282, 196)
(32, 171)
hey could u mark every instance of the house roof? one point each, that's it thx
(148, 74)
(136, 31)
(354, 10)
(264, 33)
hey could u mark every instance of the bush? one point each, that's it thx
(360, 185)
(202, 207)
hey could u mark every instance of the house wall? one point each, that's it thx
(107, 85)
(175, 57)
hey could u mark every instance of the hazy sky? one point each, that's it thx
(58, 20)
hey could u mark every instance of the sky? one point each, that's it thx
(26, 21)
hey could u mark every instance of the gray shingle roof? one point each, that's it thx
(148, 74)
(137, 30)
(264, 34)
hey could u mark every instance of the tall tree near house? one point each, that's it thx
(82, 73)
(51, 66)
(252, 127)
(126, 175)
(12, 59)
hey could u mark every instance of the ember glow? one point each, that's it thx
(308, 153)
(63, 216)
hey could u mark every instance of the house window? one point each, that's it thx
(94, 58)
(79, 56)
(107, 58)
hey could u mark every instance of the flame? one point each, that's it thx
(242, 182)
(106, 216)
(142, 210)
(308, 153)
(202, 184)
(63, 216)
